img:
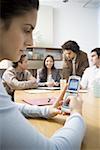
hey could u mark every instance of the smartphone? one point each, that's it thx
(72, 89)
(73, 84)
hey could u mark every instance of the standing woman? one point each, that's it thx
(17, 20)
(48, 75)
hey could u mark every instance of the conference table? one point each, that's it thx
(91, 114)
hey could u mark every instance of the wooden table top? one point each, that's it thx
(91, 114)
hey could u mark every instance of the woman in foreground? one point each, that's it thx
(17, 21)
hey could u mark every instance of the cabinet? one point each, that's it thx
(39, 53)
(36, 56)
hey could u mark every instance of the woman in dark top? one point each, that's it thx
(48, 75)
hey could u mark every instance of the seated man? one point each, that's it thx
(75, 60)
(93, 72)
(18, 77)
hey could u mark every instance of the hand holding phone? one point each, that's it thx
(72, 90)
(65, 105)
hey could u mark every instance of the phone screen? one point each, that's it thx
(73, 84)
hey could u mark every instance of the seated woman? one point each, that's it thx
(18, 77)
(48, 75)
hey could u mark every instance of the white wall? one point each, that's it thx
(43, 33)
(99, 24)
(76, 23)
(57, 25)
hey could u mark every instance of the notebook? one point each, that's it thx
(40, 101)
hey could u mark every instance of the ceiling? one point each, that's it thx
(82, 3)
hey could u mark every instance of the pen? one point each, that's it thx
(49, 99)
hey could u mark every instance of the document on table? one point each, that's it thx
(40, 101)
(49, 88)
(36, 91)
(83, 91)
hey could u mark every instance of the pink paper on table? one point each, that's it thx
(40, 101)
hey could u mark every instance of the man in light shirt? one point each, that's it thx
(17, 77)
(92, 72)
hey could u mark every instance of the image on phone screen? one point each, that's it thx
(73, 84)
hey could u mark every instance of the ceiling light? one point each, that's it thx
(65, 1)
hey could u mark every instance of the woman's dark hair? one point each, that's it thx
(12, 8)
(71, 45)
(97, 50)
(15, 64)
(43, 77)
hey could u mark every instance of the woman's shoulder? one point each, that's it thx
(56, 71)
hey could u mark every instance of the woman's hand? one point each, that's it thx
(75, 104)
(56, 83)
(53, 111)
(50, 84)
